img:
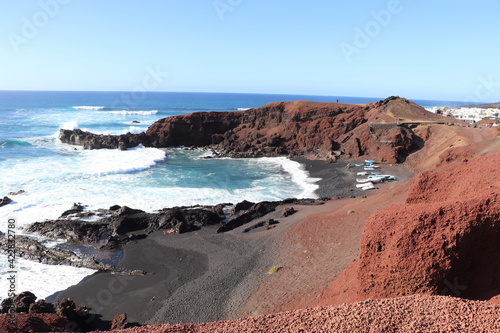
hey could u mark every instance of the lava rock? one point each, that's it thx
(5, 201)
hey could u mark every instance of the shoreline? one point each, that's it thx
(220, 269)
(333, 186)
(212, 266)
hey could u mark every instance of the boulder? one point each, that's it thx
(21, 303)
(5, 201)
(119, 322)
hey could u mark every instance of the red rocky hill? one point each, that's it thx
(299, 128)
(380, 130)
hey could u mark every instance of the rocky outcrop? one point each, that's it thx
(5, 201)
(23, 313)
(121, 224)
(324, 130)
(388, 142)
(99, 141)
(30, 249)
(442, 241)
(119, 322)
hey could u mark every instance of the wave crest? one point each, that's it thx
(109, 162)
(135, 113)
(87, 107)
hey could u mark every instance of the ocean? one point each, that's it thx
(55, 175)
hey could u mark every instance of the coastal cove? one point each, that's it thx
(54, 176)
(210, 216)
(223, 270)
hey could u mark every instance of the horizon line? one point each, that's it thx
(239, 93)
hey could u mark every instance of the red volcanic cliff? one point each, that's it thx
(298, 128)
(380, 130)
(443, 241)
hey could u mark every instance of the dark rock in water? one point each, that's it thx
(136, 121)
(77, 208)
(73, 231)
(5, 201)
(119, 322)
(114, 207)
(28, 248)
(99, 141)
(18, 192)
(41, 306)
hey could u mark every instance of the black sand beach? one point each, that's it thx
(200, 276)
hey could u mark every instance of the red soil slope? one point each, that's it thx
(406, 314)
(444, 240)
(24, 322)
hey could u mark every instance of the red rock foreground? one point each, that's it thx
(405, 314)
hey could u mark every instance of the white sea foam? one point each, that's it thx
(134, 113)
(42, 280)
(86, 107)
(108, 162)
(70, 125)
(297, 173)
(134, 130)
(242, 109)
(205, 154)
(98, 178)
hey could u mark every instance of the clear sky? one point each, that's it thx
(421, 49)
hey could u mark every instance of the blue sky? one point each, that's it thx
(421, 49)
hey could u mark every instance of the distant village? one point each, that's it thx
(472, 115)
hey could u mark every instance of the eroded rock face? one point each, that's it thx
(281, 129)
(298, 128)
(275, 129)
(443, 241)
